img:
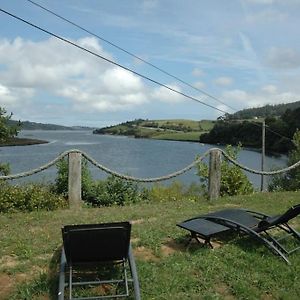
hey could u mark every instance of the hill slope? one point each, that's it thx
(265, 111)
(179, 130)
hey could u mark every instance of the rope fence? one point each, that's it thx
(74, 177)
(137, 179)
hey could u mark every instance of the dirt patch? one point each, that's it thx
(6, 285)
(224, 290)
(152, 219)
(8, 261)
(145, 254)
(134, 240)
(267, 297)
(138, 221)
(171, 246)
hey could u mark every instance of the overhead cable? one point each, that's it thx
(111, 61)
(130, 53)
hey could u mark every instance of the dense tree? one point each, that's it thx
(279, 132)
(6, 132)
(290, 180)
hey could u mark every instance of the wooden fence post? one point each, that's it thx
(214, 180)
(74, 180)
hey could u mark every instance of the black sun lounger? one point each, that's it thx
(90, 245)
(254, 224)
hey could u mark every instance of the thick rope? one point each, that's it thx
(155, 179)
(297, 164)
(39, 169)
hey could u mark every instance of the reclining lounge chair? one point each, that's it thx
(254, 224)
(90, 245)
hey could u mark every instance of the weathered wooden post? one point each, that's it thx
(74, 180)
(214, 180)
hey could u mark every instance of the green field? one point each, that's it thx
(176, 129)
(238, 267)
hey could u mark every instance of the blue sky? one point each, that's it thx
(245, 53)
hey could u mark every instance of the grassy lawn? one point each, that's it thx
(179, 136)
(239, 268)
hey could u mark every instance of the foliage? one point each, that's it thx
(6, 131)
(264, 111)
(250, 133)
(115, 191)
(29, 197)
(4, 169)
(61, 182)
(289, 181)
(233, 180)
(176, 191)
(112, 191)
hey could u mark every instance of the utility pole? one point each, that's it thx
(263, 149)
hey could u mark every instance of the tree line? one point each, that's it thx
(280, 131)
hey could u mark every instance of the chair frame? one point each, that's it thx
(260, 231)
(66, 264)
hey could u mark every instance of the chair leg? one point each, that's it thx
(61, 284)
(136, 286)
(70, 282)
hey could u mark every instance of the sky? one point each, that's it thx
(237, 53)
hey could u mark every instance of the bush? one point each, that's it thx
(61, 182)
(289, 181)
(176, 191)
(233, 180)
(115, 191)
(29, 197)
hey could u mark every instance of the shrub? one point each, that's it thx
(61, 182)
(4, 169)
(233, 180)
(29, 197)
(289, 181)
(115, 191)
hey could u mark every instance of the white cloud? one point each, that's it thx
(263, 2)
(198, 72)
(199, 84)
(89, 83)
(271, 89)
(164, 95)
(267, 15)
(283, 58)
(267, 95)
(224, 81)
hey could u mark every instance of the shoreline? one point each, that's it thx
(22, 142)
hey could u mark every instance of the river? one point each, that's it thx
(136, 157)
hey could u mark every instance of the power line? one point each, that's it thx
(123, 67)
(142, 60)
(130, 53)
(110, 61)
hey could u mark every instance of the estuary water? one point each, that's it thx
(136, 157)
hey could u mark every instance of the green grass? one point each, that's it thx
(179, 136)
(239, 269)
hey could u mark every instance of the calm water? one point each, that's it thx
(137, 157)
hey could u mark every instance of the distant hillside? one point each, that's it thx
(279, 132)
(177, 130)
(264, 111)
(27, 125)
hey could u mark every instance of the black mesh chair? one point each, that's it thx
(254, 224)
(90, 245)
